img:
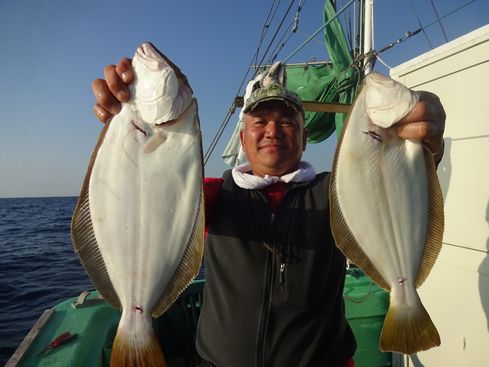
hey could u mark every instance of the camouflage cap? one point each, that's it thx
(273, 92)
(272, 88)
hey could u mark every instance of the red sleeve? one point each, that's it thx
(212, 187)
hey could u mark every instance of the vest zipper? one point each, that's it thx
(282, 275)
(261, 341)
(261, 360)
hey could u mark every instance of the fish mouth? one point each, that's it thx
(152, 57)
(155, 60)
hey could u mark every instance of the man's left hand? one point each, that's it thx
(426, 123)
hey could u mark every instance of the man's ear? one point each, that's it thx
(241, 138)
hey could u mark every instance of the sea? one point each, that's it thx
(38, 266)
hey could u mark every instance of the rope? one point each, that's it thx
(383, 62)
(347, 26)
(317, 32)
(226, 119)
(274, 36)
(218, 135)
(363, 298)
(438, 17)
(419, 23)
(266, 27)
(409, 34)
(279, 47)
(231, 109)
(450, 13)
(292, 28)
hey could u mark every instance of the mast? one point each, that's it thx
(368, 35)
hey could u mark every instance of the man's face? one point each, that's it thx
(273, 139)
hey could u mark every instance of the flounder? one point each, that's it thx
(387, 208)
(138, 223)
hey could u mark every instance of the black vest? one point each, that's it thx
(274, 282)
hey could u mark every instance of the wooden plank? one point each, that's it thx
(312, 106)
(21, 351)
(326, 107)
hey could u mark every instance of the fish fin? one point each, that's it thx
(435, 220)
(189, 265)
(84, 241)
(345, 240)
(408, 329)
(138, 347)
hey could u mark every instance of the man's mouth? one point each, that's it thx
(272, 146)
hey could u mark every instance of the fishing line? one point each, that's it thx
(319, 30)
(274, 36)
(265, 27)
(450, 13)
(223, 126)
(409, 34)
(280, 45)
(346, 25)
(438, 17)
(296, 18)
(226, 120)
(419, 23)
(293, 28)
(315, 39)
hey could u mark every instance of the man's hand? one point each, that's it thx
(109, 93)
(426, 123)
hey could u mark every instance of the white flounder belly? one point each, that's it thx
(144, 205)
(387, 209)
(381, 187)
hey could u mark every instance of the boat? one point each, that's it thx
(93, 323)
(326, 88)
(460, 277)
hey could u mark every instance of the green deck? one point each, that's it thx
(96, 324)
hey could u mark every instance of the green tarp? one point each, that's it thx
(332, 83)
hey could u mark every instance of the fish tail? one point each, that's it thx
(137, 347)
(408, 328)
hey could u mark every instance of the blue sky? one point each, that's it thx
(53, 49)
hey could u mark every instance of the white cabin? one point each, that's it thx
(456, 294)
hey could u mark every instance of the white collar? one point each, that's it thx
(305, 173)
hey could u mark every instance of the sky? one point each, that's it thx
(53, 49)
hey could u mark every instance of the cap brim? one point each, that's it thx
(287, 102)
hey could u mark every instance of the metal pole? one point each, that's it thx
(368, 34)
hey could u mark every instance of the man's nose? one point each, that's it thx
(273, 129)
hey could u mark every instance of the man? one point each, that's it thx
(274, 278)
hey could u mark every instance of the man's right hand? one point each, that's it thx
(109, 93)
